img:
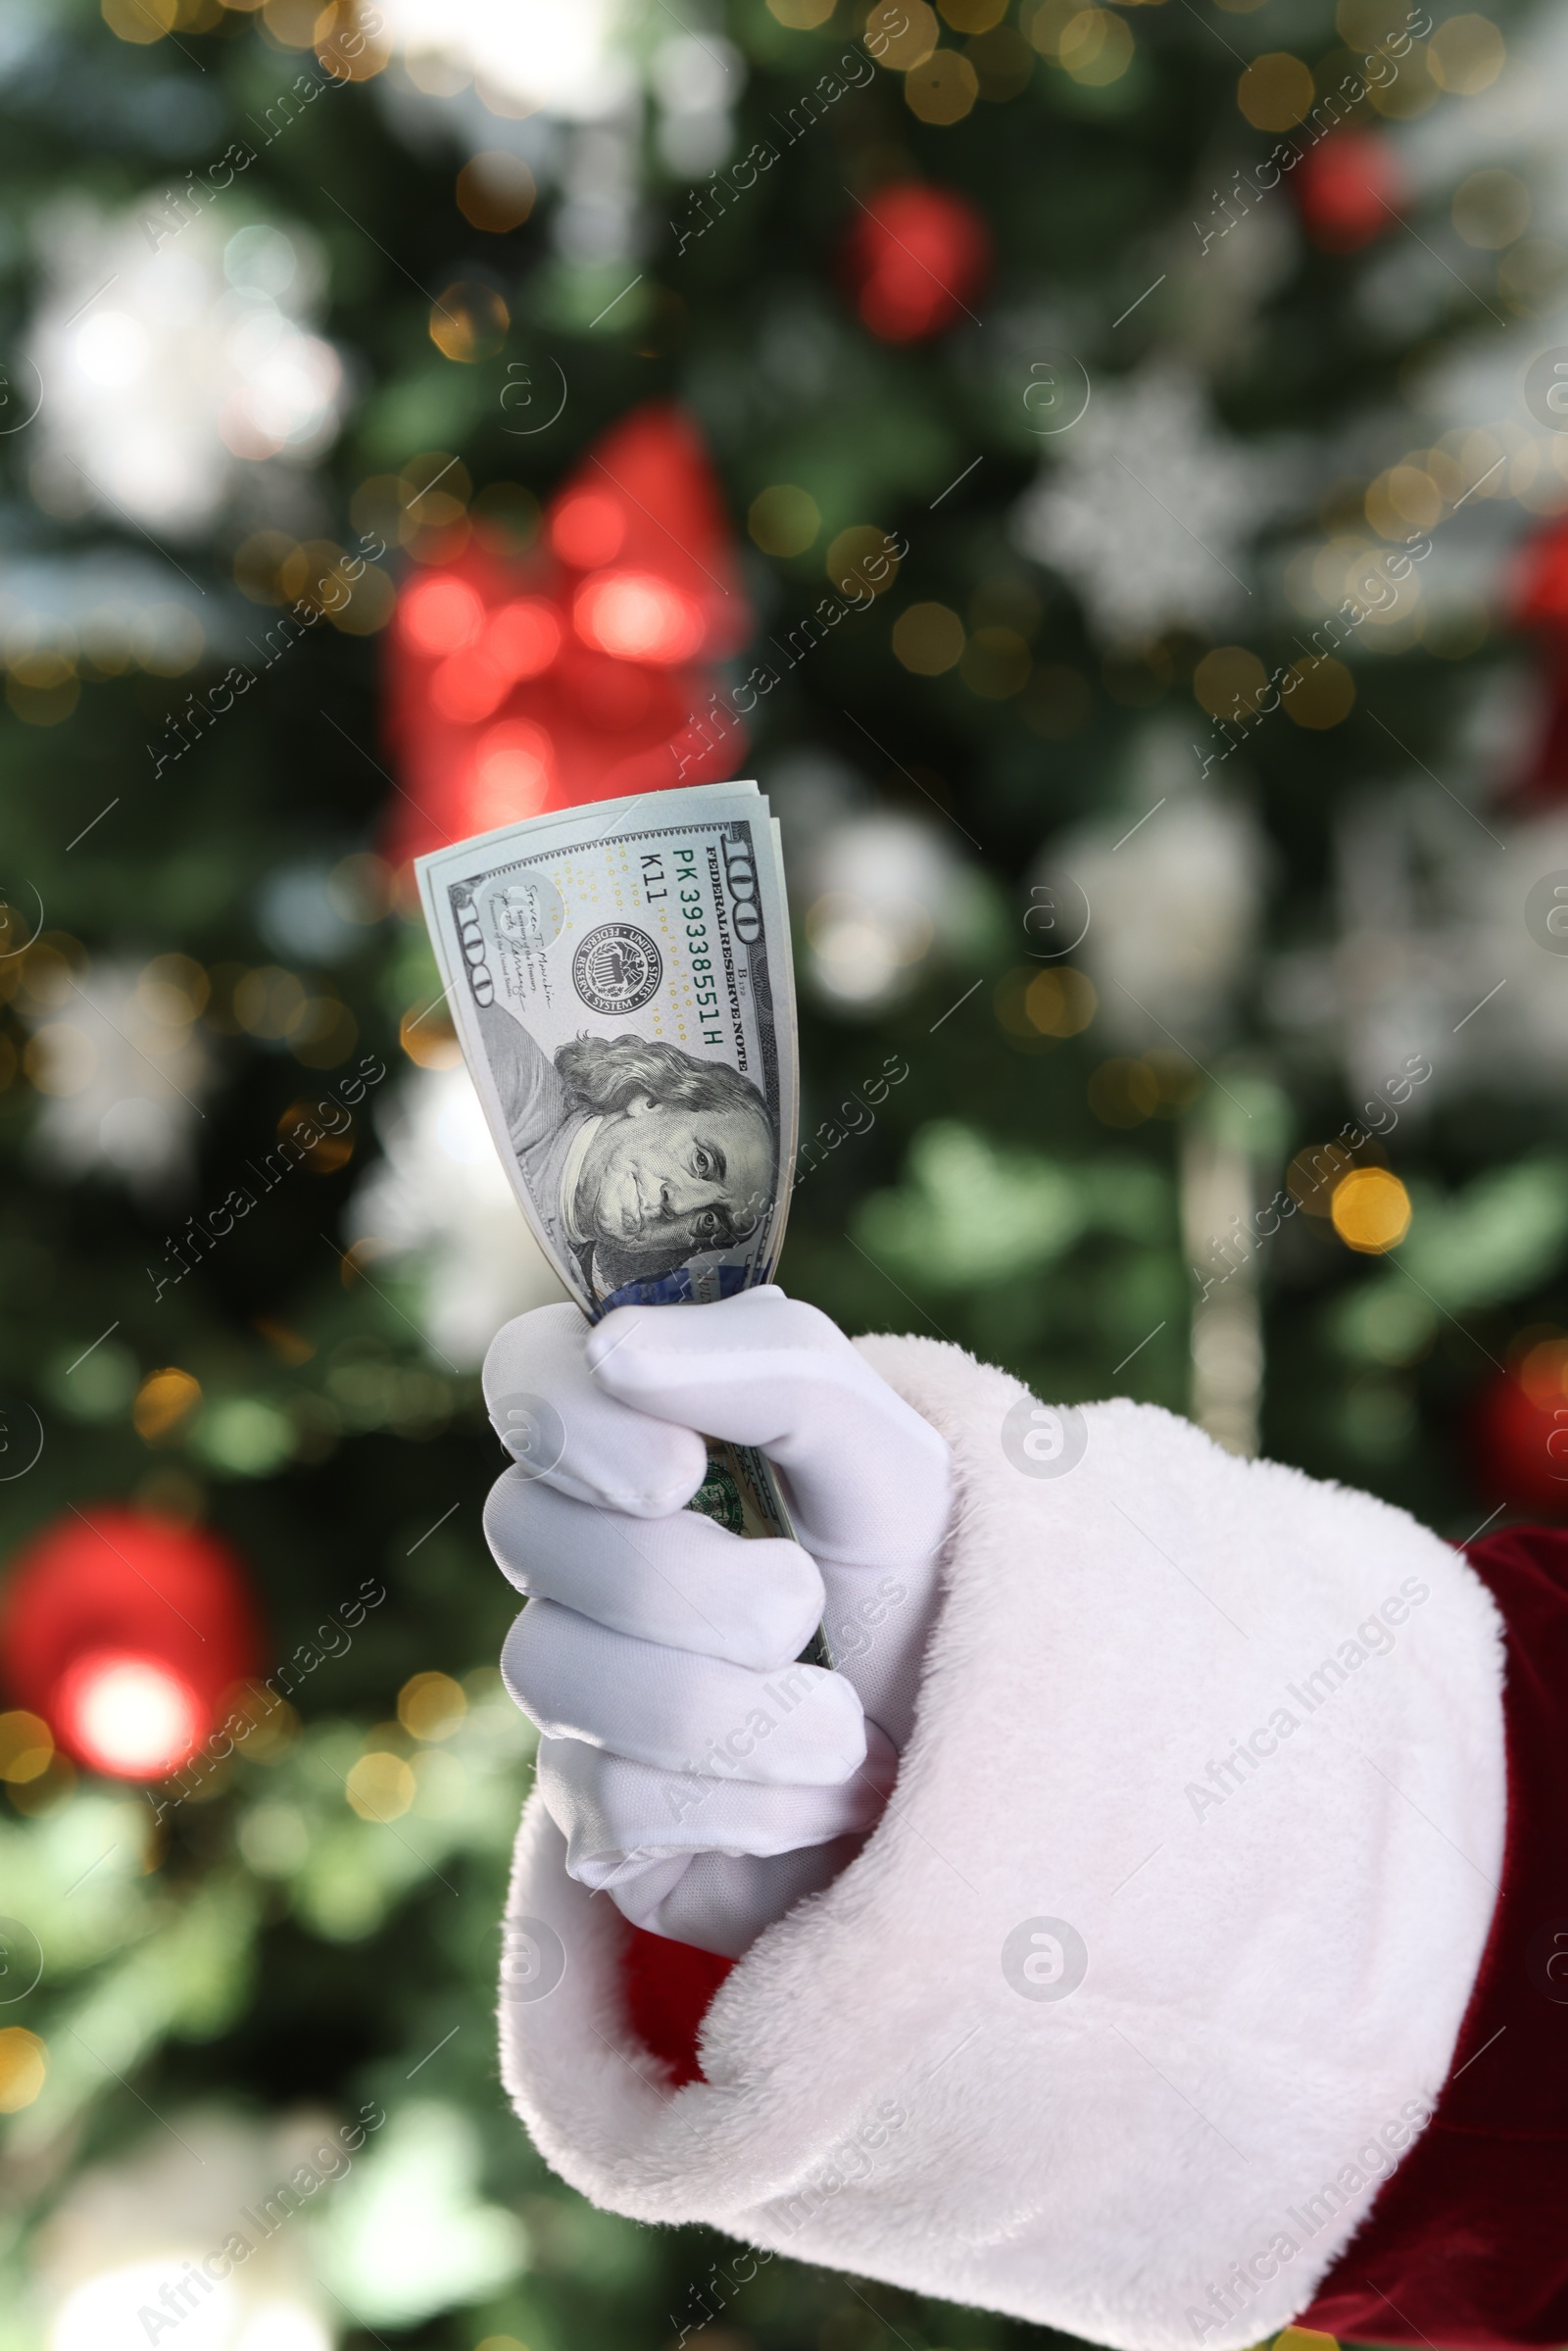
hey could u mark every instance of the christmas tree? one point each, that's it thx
(1113, 456)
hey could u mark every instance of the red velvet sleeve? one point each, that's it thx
(668, 1986)
(1466, 2248)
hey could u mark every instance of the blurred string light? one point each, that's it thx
(1093, 46)
(68, 619)
(129, 1716)
(572, 85)
(173, 366)
(271, 567)
(131, 2240)
(1371, 1210)
(943, 80)
(1444, 601)
(524, 55)
(24, 2066)
(496, 191)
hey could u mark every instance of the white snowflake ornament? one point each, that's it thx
(117, 1058)
(174, 351)
(1148, 510)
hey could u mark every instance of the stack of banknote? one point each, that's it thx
(621, 980)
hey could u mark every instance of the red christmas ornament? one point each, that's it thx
(1521, 1433)
(913, 260)
(1539, 596)
(1538, 601)
(586, 670)
(1350, 189)
(124, 1632)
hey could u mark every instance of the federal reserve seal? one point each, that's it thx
(617, 968)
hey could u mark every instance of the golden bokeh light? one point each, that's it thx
(1276, 91)
(427, 1035)
(468, 322)
(1095, 47)
(1405, 498)
(269, 1000)
(328, 1152)
(1410, 91)
(943, 90)
(1044, 21)
(291, 23)
(1060, 1002)
(380, 1786)
(900, 33)
(784, 519)
(27, 1746)
(1323, 692)
(24, 2063)
(1466, 55)
(432, 1705)
(1228, 682)
(173, 990)
(495, 191)
(163, 1401)
(140, 21)
(1371, 1210)
(928, 638)
(862, 558)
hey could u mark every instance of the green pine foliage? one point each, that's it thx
(269, 1944)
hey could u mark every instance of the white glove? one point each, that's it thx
(701, 1777)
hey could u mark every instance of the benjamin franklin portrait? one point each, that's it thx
(638, 1156)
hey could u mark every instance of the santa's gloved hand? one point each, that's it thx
(700, 1776)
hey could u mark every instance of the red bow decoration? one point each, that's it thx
(584, 670)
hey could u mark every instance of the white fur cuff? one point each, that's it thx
(1174, 1912)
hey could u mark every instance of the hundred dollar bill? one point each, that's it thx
(620, 979)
